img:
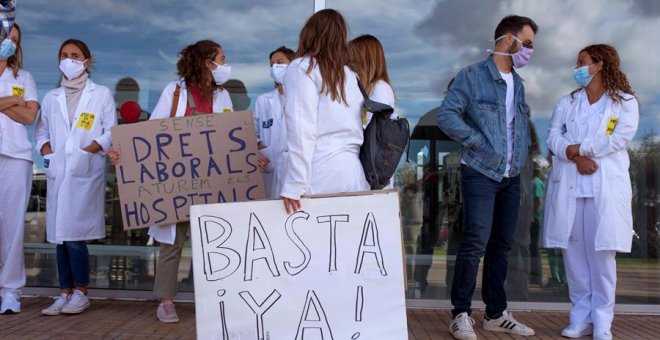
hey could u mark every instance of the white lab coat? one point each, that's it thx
(271, 131)
(14, 141)
(221, 103)
(76, 179)
(323, 136)
(611, 182)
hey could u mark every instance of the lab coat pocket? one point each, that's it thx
(556, 172)
(81, 162)
(49, 165)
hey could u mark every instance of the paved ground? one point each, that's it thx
(116, 319)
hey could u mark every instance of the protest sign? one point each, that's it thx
(167, 165)
(333, 270)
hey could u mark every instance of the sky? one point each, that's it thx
(426, 42)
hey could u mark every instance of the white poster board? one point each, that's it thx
(331, 271)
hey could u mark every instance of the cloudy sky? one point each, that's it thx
(426, 41)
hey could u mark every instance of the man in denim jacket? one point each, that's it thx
(485, 111)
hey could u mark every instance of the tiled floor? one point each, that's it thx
(116, 319)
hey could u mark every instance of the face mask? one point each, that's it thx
(72, 69)
(582, 76)
(7, 49)
(277, 72)
(520, 58)
(221, 74)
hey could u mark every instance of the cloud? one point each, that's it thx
(426, 41)
(566, 26)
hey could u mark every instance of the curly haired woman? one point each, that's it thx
(588, 203)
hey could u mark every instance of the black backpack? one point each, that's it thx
(385, 140)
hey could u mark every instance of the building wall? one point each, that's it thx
(135, 46)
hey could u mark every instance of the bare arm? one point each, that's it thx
(25, 115)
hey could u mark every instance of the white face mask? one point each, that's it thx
(277, 72)
(72, 69)
(221, 74)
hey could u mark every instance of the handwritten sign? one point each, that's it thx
(167, 165)
(331, 271)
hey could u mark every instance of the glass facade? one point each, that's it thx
(135, 47)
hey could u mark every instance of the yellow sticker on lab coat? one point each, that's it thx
(17, 90)
(226, 109)
(85, 121)
(611, 125)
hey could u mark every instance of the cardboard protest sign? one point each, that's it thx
(331, 271)
(167, 165)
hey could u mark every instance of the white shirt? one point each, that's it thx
(382, 93)
(271, 131)
(323, 135)
(510, 119)
(14, 141)
(588, 119)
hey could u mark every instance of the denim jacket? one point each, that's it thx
(473, 113)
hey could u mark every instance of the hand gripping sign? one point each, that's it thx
(331, 271)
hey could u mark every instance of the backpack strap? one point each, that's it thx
(175, 101)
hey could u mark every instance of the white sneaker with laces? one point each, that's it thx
(603, 335)
(77, 303)
(56, 307)
(461, 327)
(508, 324)
(10, 304)
(577, 330)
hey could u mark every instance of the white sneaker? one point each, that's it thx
(508, 324)
(603, 335)
(10, 304)
(78, 302)
(56, 307)
(577, 330)
(461, 327)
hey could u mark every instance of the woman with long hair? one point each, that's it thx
(18, 109)
(588, 203)
(202, 70)
(323, 105)
(368, 60)
(72, 136)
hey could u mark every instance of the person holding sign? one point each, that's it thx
(270, 127)
(72, 135)
(588, 210)
(323, 106)
(202, 69)
(18, 108)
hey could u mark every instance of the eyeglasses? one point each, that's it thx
(526, 44)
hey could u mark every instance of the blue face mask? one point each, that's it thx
(582, 76)
(7, 49)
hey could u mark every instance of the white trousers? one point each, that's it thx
(591, 274)
(14, 194)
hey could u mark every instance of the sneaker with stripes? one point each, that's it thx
(461, 327)
(508, 324)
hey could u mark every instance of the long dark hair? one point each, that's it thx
(323, 38)
(614, 80)
(192, 66)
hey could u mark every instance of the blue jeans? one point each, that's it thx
(490, 209)
(73, 264)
